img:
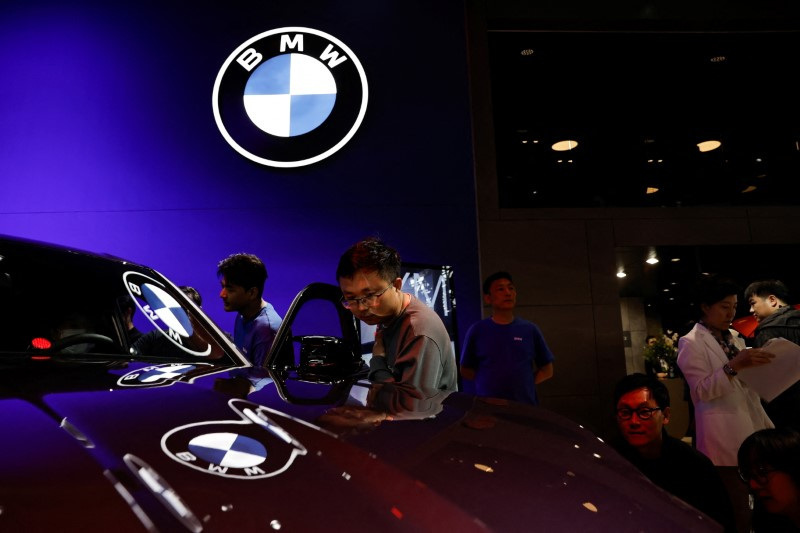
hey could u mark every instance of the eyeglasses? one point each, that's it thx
(760, 475)
(366, 301)
(643, 413)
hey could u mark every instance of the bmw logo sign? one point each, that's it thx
(290, 97)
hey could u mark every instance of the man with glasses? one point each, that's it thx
(412, 345)
(642, 411)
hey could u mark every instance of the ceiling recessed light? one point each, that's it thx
(564, 146)
(651, 190)
(749, 188)
(707, 146)
(526, 52)
(651, 260)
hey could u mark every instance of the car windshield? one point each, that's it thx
(66, 305)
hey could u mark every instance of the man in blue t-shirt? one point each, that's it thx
(242, 278)
(504, 356)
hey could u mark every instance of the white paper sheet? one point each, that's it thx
(772, 379)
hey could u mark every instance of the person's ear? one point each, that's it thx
(773, 301)
(487, 299)
(398, 283)
(666, 412)
(252, 292)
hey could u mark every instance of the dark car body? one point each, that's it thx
(98, 435)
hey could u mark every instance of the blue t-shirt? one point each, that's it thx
(254, 337)
(504, 357)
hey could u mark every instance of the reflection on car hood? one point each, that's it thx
(484, 454)
(202, 460)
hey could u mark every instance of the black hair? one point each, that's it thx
(192, 293)
(370, 254)
(245, 270)
(641, 381)
(487, 283)
(713, 288)
(764, 288)
(126, 303)
(778, 448)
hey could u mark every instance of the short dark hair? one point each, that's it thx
(642, 381)
(713, 288)
(192, 293)
(765, 287)
(370, 254)
(126, 303)
(487, 283)
(778, 448)
(245, 270)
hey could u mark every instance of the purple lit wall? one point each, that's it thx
(108, 141)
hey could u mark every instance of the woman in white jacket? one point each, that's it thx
(710, 357)
(726, 411)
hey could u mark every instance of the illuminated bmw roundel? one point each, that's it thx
(290, 97)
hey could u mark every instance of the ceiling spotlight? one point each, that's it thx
(526, 52)
(675, 259)
(707, 146)
(651, 260)
(749, 188)
(564, 146)
(621, 273)
(651, 190)
(718, 59)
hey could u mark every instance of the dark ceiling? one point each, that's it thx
(638, 85)
(637, 103)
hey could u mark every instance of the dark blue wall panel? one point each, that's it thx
(108, 141)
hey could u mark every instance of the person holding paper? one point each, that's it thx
(710, 356)
(726, 410)
(769, 303)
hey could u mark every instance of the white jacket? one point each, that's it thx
(726, 410)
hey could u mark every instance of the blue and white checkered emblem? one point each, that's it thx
(165, 313)
(167, 309)
(156, 375)
(253, 447)
(290, 97)
(228, 450)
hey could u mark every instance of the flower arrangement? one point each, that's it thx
(661, 353)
